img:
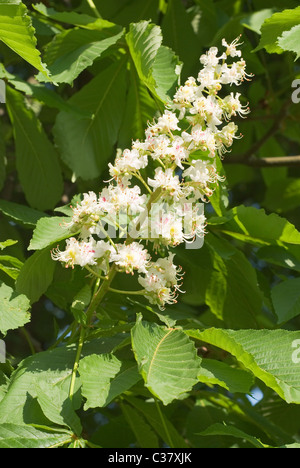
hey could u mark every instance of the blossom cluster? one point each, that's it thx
(181, 149)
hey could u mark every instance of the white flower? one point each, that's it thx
(130, 257)
(168, 122)
(76, 253)
(115, 198)
(161, 282)
(129, 162)
(202, 172)
(231, 48)
(210, 59)
(232, 106)
(167, 181)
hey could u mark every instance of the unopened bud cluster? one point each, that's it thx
(175, 166)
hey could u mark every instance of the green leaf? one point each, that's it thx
(167, 360)
(104, 377)
(15, 265)
(269, 354)
(286, 299)
(74, 18)
(178, 34)
(7, 243)
(253, 225)
(81, 301)
(274, 27)
(21, 436)
(229, 430)
(49, 231)
(56, 407)
(233, 272)
(21, 213)
(74, 50)
(156, 66)
(140, 109)
(289, 189)
(20, 404)
(145, 436)
(16, 32)
(234, 379)
(105, 98)
(36, 275)
(14, 309)
(159, 421)
(290, 40)
(37, 161)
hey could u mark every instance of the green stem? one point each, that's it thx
(76, 363)
(87, 267)
(119, 291)
(99, 295)
(169, 439)
(140, 178)
(94, 8)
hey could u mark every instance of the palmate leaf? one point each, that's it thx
(167, 360)
(269, 354)
(51, 367)
(37, 161)
(16, 32)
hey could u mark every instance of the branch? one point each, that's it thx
(254, 161)
(249, 158)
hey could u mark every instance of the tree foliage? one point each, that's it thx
(221, 367)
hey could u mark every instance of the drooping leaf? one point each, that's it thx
(36, 275)
(16, 32)
(269, 354)
(87, 144)
(145, 436)
(157, 66)
(234, 379)
(37, 161)
(167, 361)
(21, 213)
(14, 309)
(255, 226)
(224, 429)
(232, 294)
(73, 50)
(159, 422)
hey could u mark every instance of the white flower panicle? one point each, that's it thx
(183, 148)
